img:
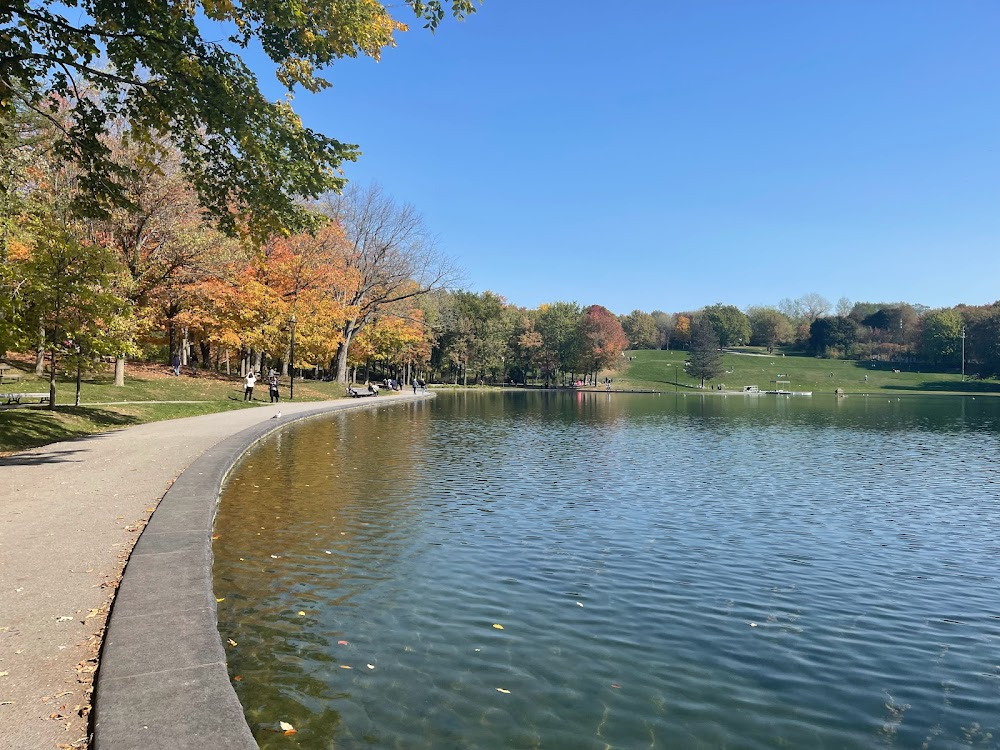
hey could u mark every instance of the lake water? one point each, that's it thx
(668, 572)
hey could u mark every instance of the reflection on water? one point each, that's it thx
(696, 572)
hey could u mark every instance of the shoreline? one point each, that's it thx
(73, 515)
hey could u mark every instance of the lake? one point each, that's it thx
(575, 571)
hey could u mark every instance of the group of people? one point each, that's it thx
(419, 383)
(272, 386)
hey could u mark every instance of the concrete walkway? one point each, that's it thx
(70, 514)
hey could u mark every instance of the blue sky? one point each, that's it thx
(677, 153)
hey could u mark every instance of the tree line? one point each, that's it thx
(951, 338)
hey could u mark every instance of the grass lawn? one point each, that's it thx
(145, 397)
(656, 370)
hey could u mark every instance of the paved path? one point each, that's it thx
(69, 515)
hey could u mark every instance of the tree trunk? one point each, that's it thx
(40, 353)
(52, 379)
(341, 356)
(120, 370)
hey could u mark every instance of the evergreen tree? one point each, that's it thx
(705, 359)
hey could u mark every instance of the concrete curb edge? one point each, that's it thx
(162, 680)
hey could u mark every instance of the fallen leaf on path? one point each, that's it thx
(4, 674)
(63, 618)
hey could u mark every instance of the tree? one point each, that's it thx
(705, 358)
(682, 330)
(983, 341)
(730, 323)
(156, 67)
(768, 327)
(390, 257)
(157, 237)
(602, 339)
(559, 325)
(641, 330)
(828, 336)
(476, 333)
(664, 328)
(941, 337)
(68, 287)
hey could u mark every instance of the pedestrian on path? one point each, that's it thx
(175, 362)
(272, 388)
(414, 384)
(248, 384)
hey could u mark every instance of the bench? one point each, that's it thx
(355, 393)
(15, 398)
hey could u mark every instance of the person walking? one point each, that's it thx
(248, 383)
(175, 362)
(272, 388)
(414, 384)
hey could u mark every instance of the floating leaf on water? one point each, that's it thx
(753, 624)
(579, 604)
(220, 598)
(370, 666)
(615, 685)
(302, 613)
(275, 557)
(286, 727)
(498, 626)
(342, 643)
(328, 552)
(215, 536)
(231, 642)
(238, 678)
(503, 690)
(344, 666)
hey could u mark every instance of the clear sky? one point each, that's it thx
(671, 154)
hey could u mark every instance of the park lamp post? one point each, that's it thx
(291, 364)
(962, 336)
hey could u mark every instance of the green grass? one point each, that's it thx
(148, 392)
(656, 370)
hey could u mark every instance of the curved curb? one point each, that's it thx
(163, 680)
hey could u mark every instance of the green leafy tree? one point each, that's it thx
(731, 325)
(705, 359)
(941, 342)
(832, 336)
(68, 287)
(641, 329)
(769, 327)
(982, 345)
(559, 325)
(478, 333)
(664, 328)
(156, 67)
